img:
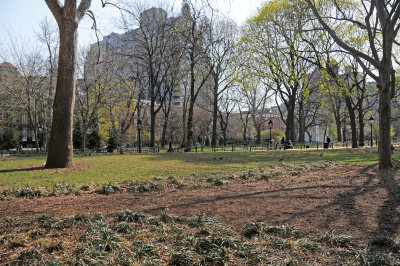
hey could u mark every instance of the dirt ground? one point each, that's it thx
(356, 200)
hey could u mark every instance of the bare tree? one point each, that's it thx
(68, 16)
(227, 106)
(28, 87)
(192, 27)
(221, 40)
(95, 90)
(48, 35)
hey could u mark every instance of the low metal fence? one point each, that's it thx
(178, 148)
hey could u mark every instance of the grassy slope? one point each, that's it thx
(117, 168)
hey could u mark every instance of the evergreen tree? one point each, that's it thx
(94, 138)
(10, 138)
(113, 141)
(77, 134)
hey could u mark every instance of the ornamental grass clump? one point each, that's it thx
(181, 257)
(142, 249)
(28, 192)
(108, 188)
(251, 229)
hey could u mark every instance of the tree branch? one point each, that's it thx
(56, 9)
(339, 41)
(83, 7)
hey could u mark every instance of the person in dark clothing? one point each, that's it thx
(170, 149)
(328, 140)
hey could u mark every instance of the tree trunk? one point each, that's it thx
(152, 124)
(258, 129)
(385, 113)
(361, 124)
(35, 133)
(189, 126)
(302, 123)
(353, 123)
(215, 116)
(60, 154)
(290, 130)
(83, 137)
(338, 127)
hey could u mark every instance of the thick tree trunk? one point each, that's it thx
(385, 113)
(60, 154)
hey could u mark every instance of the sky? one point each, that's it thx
(21, 18)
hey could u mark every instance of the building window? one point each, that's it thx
(24, 134)
(24, 119)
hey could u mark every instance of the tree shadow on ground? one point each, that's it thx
(389, 215)
(379, 216)
(35, 168)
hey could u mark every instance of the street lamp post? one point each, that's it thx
(270, 128)
(139, 125)
(371, 121)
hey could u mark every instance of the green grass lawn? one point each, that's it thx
(117, 168)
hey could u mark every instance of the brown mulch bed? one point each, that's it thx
(357, 200)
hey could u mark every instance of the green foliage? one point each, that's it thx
(392, 131)
(276, 134)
